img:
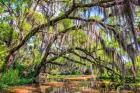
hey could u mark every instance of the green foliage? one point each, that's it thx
(39, 18)
(67, 23)
(60, 27)
(79, 37)
(3, 52)
(26, 26)
(24, 81)
(1, 9)
(76, 72)
(60, 59)
(62, 76)
(12, 77)
(7, 32)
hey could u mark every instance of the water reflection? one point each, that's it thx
(67, 87)
(71, 87)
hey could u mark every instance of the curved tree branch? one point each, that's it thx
(52, 22)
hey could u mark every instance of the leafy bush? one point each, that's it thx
(76, 72)
(12, 77)
(23, 81)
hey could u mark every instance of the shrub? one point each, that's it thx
(11, 78)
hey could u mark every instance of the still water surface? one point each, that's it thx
(84, 84)
(67, 87)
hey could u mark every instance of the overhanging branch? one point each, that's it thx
(54, 21)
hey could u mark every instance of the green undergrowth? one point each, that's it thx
(13, 78)
(61, 76)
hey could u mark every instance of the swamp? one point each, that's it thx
(69, 46)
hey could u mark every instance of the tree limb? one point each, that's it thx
(52, 22)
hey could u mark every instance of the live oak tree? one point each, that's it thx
(102, 32)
